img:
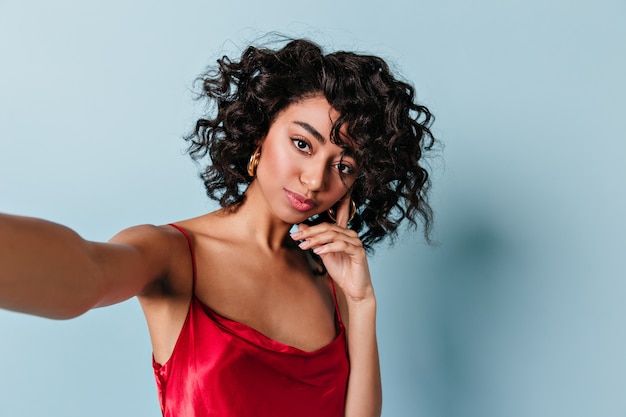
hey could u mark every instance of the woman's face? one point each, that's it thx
(300, 172)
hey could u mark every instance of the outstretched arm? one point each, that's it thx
(48, 270)
(344, 258)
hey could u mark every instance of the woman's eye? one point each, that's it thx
(301, 144)
(345, 169)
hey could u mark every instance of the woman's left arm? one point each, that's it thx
(364, 396)
(344, 257)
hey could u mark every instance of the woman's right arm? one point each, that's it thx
(48, 270)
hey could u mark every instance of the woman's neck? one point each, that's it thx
(258, 223)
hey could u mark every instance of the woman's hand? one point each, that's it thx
(343, 255)
(341, 251)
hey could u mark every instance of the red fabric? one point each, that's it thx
(223, 368)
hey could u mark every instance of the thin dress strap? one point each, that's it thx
(332, 285)
(193, 256)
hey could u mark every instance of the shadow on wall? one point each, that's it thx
(475, 271)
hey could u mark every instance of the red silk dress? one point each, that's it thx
(223, 368)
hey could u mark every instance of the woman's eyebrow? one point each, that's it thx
(311, 130)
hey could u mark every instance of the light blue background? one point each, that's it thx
(519, 312)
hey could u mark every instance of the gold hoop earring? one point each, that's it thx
(254, 161)
(331, 212)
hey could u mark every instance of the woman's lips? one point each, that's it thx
(300, 202)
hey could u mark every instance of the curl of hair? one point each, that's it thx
(390, 130)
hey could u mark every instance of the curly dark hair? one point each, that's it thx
(390, 130)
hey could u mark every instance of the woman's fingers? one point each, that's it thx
(322, 231)
(326, 238)
(349, 248)
(343, 212)
(313, 238)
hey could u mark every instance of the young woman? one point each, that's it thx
(247, 315)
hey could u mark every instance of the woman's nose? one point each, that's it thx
(314, 175)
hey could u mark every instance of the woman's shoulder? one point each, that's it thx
(167, 251)
(148, 239)
(180, 240)
(152, 237)
(213, 226)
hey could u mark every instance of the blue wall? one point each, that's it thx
(517, 312)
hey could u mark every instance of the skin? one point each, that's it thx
(271, 288)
